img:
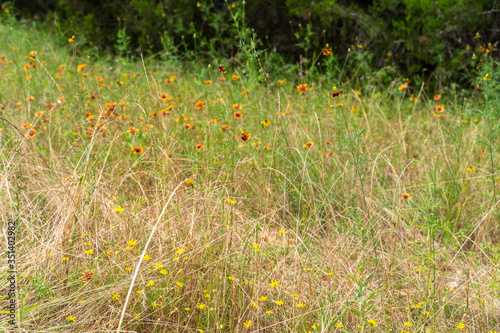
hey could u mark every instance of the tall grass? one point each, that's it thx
(362, 213)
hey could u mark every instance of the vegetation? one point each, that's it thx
(163, 196)
(427, 40)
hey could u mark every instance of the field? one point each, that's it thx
(153, 197)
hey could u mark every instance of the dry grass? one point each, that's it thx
(332, 238)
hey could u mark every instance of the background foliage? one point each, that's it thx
(415, 37)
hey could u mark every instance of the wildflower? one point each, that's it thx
(72, 39)
(403, 87)
(199, 147)
(281, 231)
(437, 97)
(132, 130)
(408, 324)
(477, 36)
(224, 127)
(301, 88)
(336, 93)
(222, 70)
(230, 277)
(328, 142)
(119, 209)
(238, 115)
(237, 107)
(232, 202)
(489, 48)
(308, 144)
(140, 291)
(235, 77)
(471, 169)
(248, 323)
(373, 322)
(461, 326)
(330, 154)
(81, 67)
(154, 304)
(189, 182)
(486, 78)
(266, 123)
(245, 136)
(198, 5)
(274, 283)
(440, 108)
(30, 134)
(207, 82)
(339, 325)
(89, 252)
(413, 99)
(282, 82)
(137, 150)
(327, 51)
(269, 312)
(116, 296)
(406, 196)
(163, 271)
(262, 299)
(150, 283)
(71, 318)
(201, 306)
(300, 305)
(87, 275)
(255, 246)
(131, 242)
(200, 105)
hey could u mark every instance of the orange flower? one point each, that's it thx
(235, 77)
(245, 136)
(81, 67)
(222, 70)
(437, 97)
(328, 142)
(403, 87)
(200, 105)
(133, 130)
(440, 108)
(406, 196)
(89, 116)
(207, 82)
(199, 147)
(25, 126)
(31, 133)
(330, 154)
(336, 94)
(87, 275)
(327, 51)
(308, 144)
(164, 112)
(237, 107)
(30, 99)
(302, 87)
(137, 150)
(224, 127)
(413, 99)
(238, 115)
